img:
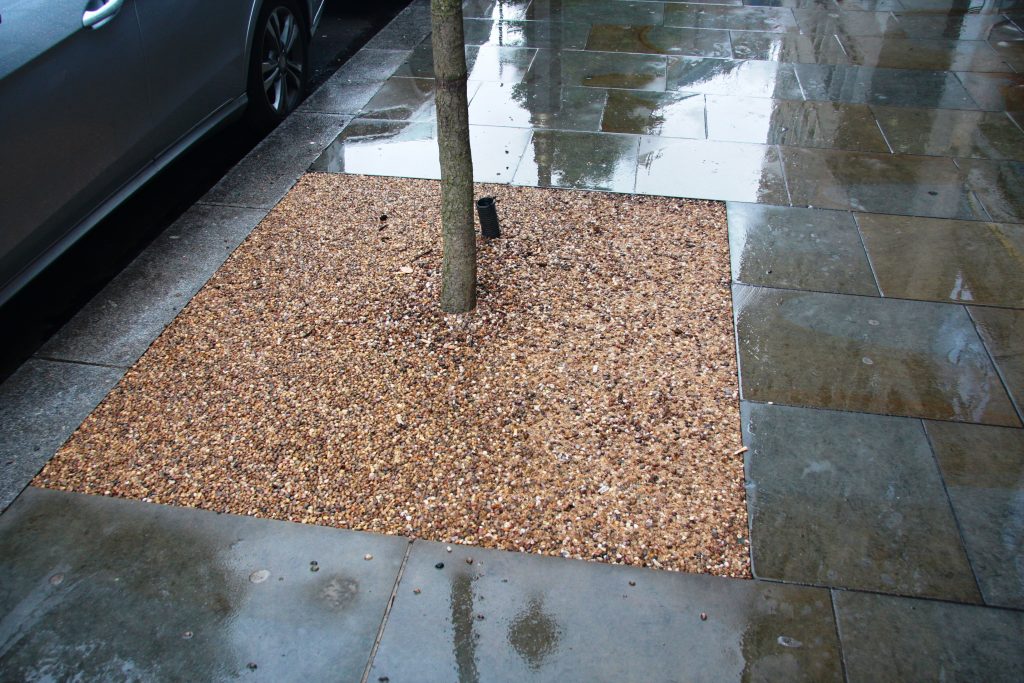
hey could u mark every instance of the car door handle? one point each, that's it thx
(100, 15)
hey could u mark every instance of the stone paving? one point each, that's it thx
(872, 158)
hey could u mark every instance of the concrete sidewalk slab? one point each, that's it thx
(516, 617)
(102, 589)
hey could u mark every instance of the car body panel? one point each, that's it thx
(88, 115)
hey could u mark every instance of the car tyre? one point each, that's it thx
(278, 63)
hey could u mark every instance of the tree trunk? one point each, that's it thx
(458, 279)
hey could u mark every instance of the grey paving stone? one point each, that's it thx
(893, 87)
(902, 639)
(983, 468)
(598, 161)
(1003, 333)
(103, 589)
(405, 31)
(850, 500)
(794, 248)
(708, 169)
(879, 183)
(518, 617)
(355, 82)
(266, 174)
(409, 149)
(120, 322)
(41, 404)
(999, 185)
(866, 354)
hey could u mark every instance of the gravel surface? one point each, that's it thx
(587, 408)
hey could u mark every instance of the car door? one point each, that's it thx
(73, 113)
(195, 57)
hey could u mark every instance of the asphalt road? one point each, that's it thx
(41, 308)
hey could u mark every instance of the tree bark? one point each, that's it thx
(458, 277)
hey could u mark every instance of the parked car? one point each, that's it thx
(96, 96)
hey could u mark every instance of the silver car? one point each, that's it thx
(96, 96)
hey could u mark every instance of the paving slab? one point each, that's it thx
(598, 70)
(735, 18)
(866, 354)
(483, 62)
(829, 125)
(788, 47)
(41, 404)
(880, 183)
(796, 248)
(896, 53)
(406, 30)
(999, 185)
(510, 616)
(597, 161)
(409, 149)
(894, 87)
(829, 21)
(994, 91)
(945, 260)
(901, 639)
(598, 12)
(510, 9)
(1003, 333)
(705, 169)
(668, 114)
(951, 132)
(266, 173)
(118, 324)
(659, 40)
(515, 33)
(356, 82)
(851, 500)
(733, 77)
(102, 589)
(531, 105)
(983, 468)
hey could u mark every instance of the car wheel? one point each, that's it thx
(278, 64)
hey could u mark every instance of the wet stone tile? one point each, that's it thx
(660, 40)
(735, 18)
(597, 161)
(598, 12)
(852, 501)
(801, 124)
(893, 87)
(878, 183)
(866, 354)
(943, 54)
(999, 186)
(537, 105)
(953, 26)
(101, 589)
(1003, 333)
(733, 77)
(483, 63)
(540, 34)
(409, 149)
(793, 248)
(504, 9)
(946, 7)
(525, 617)
(702, 169)
(951, 132)
(787, 47)
(984, 472)
(679, 115)
(403, 99)
(943, 260)
(995, 92)
(814, 22)
(902, 639)
(795, 4)
(599, 70)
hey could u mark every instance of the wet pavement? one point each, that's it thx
(872, 159)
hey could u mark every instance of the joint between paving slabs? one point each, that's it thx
(387, 612)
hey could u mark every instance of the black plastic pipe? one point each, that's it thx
(488, 214)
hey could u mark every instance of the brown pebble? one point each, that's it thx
(367, 556)
(416, 591)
